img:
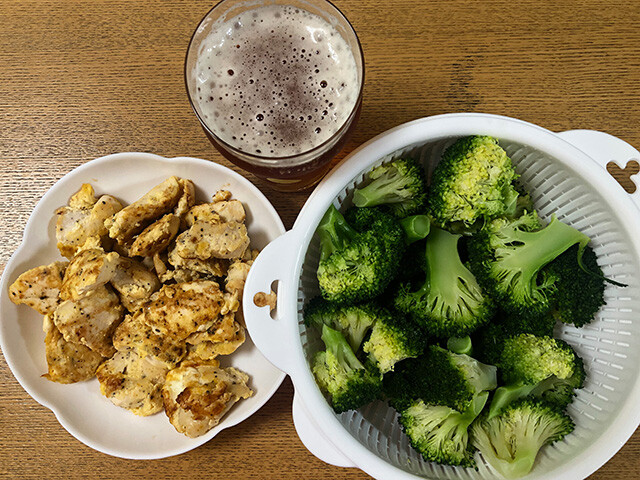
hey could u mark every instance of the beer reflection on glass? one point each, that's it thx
(277, 86)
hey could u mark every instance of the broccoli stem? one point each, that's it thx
(460, 345)
(416, 227)
(383, 189)
(443, 263)
(334, 232)
(475, 408)
(536, 249)
(338, 345)
(505, 395)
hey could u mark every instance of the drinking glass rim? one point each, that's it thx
(263, 159)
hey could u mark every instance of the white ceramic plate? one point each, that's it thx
(80, 408)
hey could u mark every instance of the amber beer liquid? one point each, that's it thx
(277, 87)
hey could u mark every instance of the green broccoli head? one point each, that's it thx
(529, 359)
(489, 339)
(508, 258)
(439, 377)
(393, 338)
(356, 266)
(450, 303)
(510, 442)
(383, 226)
(439, 433)
(398, 185)
(354, 321)
(339, 373)
(473, 180)
(579, 294)
(560, 391)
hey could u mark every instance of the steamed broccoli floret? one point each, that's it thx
(530, 359)
(508, 258)
(579, 294)
(472, 181)
(356, 266)
(384, 226)
(439, 377)
(398, 185)
(489, 340)
(439, 433)
(511, 441)
(542, 367)
(450, 302)
(339, 373)
(354, 321)
(393, 338)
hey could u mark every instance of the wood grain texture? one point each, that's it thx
(84, 78)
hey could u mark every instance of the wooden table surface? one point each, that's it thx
(85, 78)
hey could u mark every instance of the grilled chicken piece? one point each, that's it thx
(197, 395)
(68, 362)
(90, 320)
(212, 267)
(220, 212)
(39, 287)
(222, 338)
(84, 198)
(205, 240)
(83, 218)
(237, 276)
(88, 270)
(135, 217)
(221, 196)
(181, 309)
(133, 382)
(134, 283)
(187, 198)
(155, 237)
(134, 334)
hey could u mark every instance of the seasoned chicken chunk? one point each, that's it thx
(222, 338)
(213, 267)
(133, 382)
(39, 287)
(134, 283)
(90, 320)
(197, 395)
(83, 218)
(84, 198)
(221, 196)
(156, 236)
(205, 240)
(135, 217)
(68, 362)
(181, 309)
(187, 198)
(237, 276)
(88, 270)
(134, 334)
(220, 212)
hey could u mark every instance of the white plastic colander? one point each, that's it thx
(565, 174)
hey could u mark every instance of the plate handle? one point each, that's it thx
(313, 438)
(616, 156)
(274, 330)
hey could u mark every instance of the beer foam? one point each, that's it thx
(275, 81)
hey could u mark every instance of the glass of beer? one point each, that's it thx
(276, 85)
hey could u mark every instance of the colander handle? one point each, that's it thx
(313, 438)
(275, 335)
(604, 148)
